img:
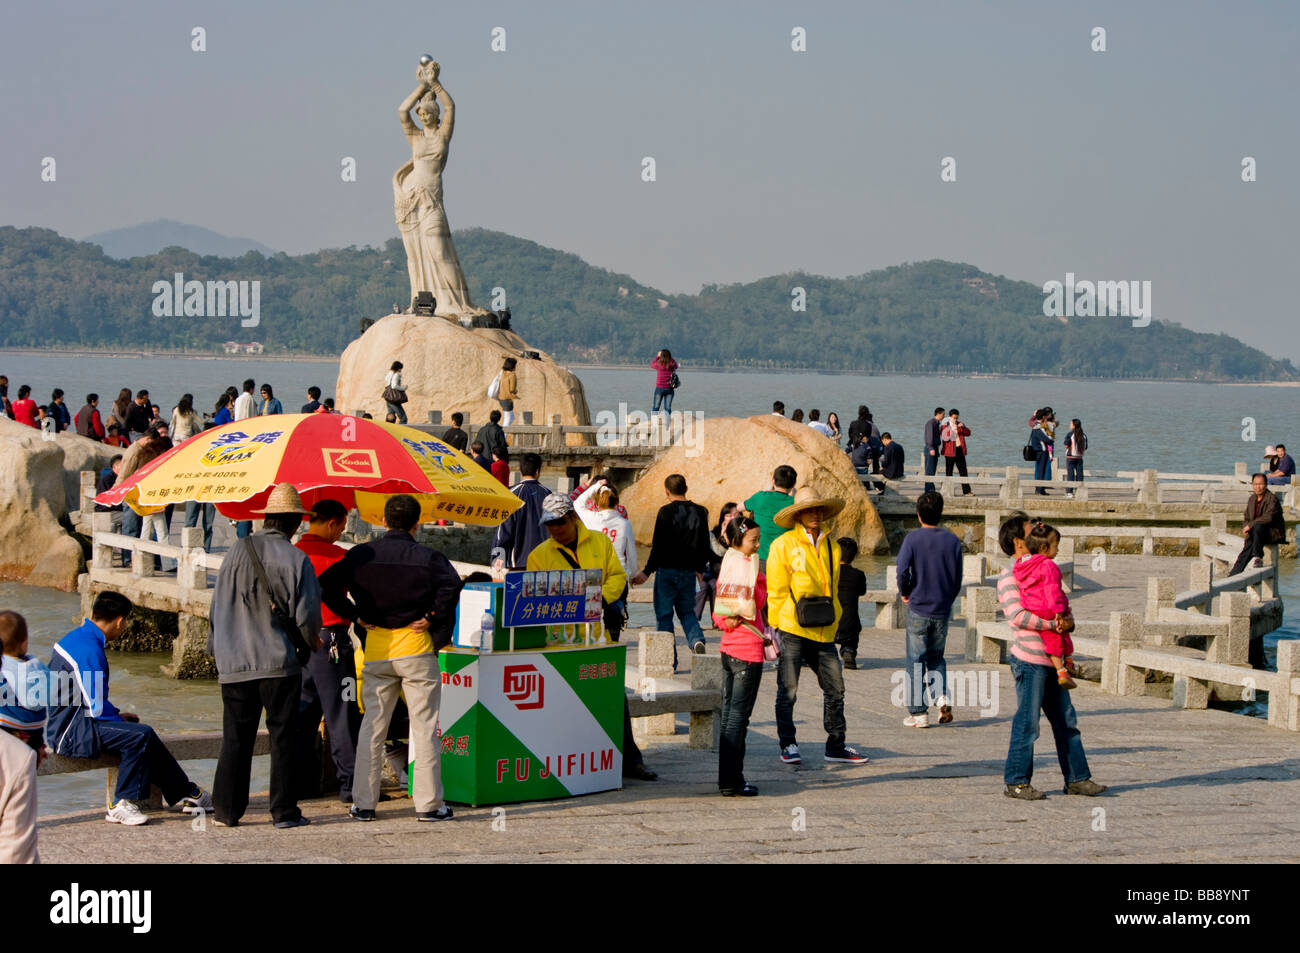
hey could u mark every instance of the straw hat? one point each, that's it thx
(284, 499)
(806, 498)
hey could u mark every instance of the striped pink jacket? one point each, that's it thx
(1025, 626)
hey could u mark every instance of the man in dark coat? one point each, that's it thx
(1262, 524)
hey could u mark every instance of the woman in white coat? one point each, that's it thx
(597, 507)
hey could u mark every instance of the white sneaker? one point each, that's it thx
(200, 803)
(917, 721)
(125, 812)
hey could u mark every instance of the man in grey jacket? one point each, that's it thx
(256, 664)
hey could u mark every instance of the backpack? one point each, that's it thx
(674, 381)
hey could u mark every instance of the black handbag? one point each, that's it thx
(817, 612)
(674, 381)
(301, 650)
(394, 396)
(1029, 453)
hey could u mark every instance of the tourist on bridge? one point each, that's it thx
(59, 411)
(476, 454)
(89, 723)
(246, 403)
(815, 422)
(933, 445)
(265, 608)
(24, 407)
(118, 412)
(1037, 688)
(802, 585)
(522, 530)
(1283, 468)
(88, 422)
(455, 436)
(493, 438)
(1040, 439)
(953, 437)
(1076, 443)
(270, 403)
(665, 369)
(139, 416)
(404, 595)
(313, 400)
(1262, 524)
(224, 410)
(929, 580)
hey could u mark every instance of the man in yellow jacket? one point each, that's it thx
(803, 570)
(572, 546)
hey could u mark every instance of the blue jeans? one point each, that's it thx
(1074, 469)
(209, 513)
(926, 640)
(739, 691)
(1036, 688)
(663, 395)
(675, 590)
(243, 528)
(931, 466)
(145, 761)
(397, 411)
(1042, 470)
(822, 658)
(131, 525)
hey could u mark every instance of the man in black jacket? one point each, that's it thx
(493, 437)
(139, 416)
(679, 552)
(454, 435)
(933, 445)
(404, 595)
(1262, 524)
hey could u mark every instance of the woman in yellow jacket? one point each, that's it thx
(508, 391)
(802, 584)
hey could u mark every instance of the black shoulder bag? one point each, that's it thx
(817, 612)
(301, 650)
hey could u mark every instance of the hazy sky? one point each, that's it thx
(1117, 165)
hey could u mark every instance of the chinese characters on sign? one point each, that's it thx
(564, 597)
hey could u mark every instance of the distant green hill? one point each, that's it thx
(925, 316)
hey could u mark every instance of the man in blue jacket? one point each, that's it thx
(83, 723)
(522, 530)
(929, 578)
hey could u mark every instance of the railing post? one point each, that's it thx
(555, 439)
(981, 606)
(1148, 486)
(435, 417)
(85, 502)
(101, 555)
(1011, 488)
(992, 523)
(1233, 645)
(1125, 633)
(190, 574)
(654, 652)
(1240, 471)
(1283, 702)
(1160, 595)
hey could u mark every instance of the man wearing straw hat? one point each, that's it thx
(802, 582)
(257, 664)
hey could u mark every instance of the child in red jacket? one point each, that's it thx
(1041, 593)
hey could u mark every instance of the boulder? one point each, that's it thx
(59, 565)
(32, 502)
(80, 453)
(730, 458)
(448, 368)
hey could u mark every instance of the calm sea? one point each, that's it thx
(1198, 428)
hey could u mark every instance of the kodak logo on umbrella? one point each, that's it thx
(352, 463)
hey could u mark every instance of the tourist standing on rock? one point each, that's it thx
(679, 551)
(765, 504)
(860, 428)
(246, 403)
(185, 421)
(797, 416)
(739, 613)
(1076, 442)
(833, 421)
(521, 530)
(815, 422)
(59, 411)
(89, 724)
(1262, 524)
(395, 392)
(330, 676)
(454, 435)
(313, 400)
(802, 584)
(571, 545)
(88, 422)
(224, 411)
(929, 580)
(1041, 442)
(24, 407)
(598, 508)
(852, 587)
(953, 436)
(265, 608)
(1036, 686)
(778, 408)
(270, 403)
(404, 595)
(508, 391)
(665, 369)
(493, 437)
(933, 445)
(140, 415)
(118, 412)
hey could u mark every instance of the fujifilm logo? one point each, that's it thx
(77, 906)
(1087, 299)
(212, 299)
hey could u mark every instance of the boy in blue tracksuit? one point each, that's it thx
(83, 723)
(929, 579)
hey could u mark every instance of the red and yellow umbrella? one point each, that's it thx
(356, 461)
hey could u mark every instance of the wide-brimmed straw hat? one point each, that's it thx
(806, 498)
(284, 499)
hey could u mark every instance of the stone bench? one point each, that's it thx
(658, 696)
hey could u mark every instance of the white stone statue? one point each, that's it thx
(417, 199)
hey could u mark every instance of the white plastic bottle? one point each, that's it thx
(486, 629)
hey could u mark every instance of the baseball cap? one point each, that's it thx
(555, 507)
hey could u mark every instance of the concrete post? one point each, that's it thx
(1233, 646)
(555, 439)
(973, 569)
(1283, 703)
(1160, 595)
(1219, 522)
(1149, 487)
(101, 556)
(992, 522)
(1202, 579)
(527, 417)
(435, 417)
(1011, 488)
(1240, 471)
(981, 606)
(1116, 677)
(1192, 693)
(190, 573)
(85, 501)
(706, 726)
(654, 653)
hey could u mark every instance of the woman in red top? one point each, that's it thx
(953, 436)
(664, 366)
(500, 468)
(25, 407)
(740, 612)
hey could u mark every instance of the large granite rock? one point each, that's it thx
(447, 368)
(80, 453)
(733, 457)
(32, 502)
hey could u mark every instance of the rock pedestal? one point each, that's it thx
(731, 458)
(448, 368)
(33, 500)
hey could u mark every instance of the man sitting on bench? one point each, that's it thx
(83, 723)
(1262, 524)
